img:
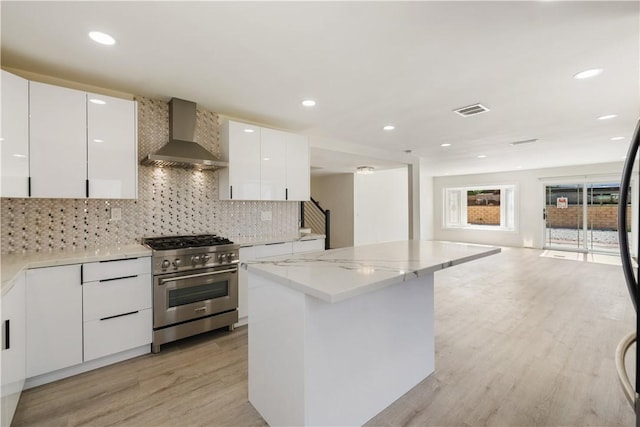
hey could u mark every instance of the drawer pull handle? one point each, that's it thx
(7, 334)
(200, 310)
(116, 260)
(118, 278)
(120, 315)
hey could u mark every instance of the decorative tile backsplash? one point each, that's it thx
(170, 201)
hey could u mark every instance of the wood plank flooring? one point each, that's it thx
(520, 340)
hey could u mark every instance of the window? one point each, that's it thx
(480, 207)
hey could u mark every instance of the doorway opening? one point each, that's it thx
(583, 217)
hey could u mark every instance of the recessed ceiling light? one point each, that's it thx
(102, 38)
(249, 130)
(617, 138)
(445, 145)
(482, 156)
(389, 127)
(607, 117)
(588, 73)
(309, 103)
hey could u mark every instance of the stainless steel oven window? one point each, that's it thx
(198, 293)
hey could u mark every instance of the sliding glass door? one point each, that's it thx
(583, 217)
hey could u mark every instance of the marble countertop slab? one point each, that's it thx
(14, 264)
(254, 241)
(339, 274)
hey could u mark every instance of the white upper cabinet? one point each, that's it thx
(273, 163)
(58, 141)
(298, 167)
(264, 164)
(112, 147)
(15, 135)
(240, 145)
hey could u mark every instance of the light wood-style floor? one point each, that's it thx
(520, 340)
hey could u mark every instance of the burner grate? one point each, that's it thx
(182, 242)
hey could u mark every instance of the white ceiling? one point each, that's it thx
(367, 64)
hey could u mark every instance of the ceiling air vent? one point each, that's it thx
(471, 110)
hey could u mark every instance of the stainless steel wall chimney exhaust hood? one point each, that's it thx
(182, 151)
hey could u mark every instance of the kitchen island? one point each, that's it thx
(337, 336)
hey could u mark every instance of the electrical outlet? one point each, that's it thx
(265, 215)
(116, 214)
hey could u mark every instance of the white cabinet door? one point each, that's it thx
(58, 141)
(273, 249)
(308, 246)
(54, 319)
(15, 135)
(13, 348)
(240, 145)
(298, 170)
(273, 174)
(112, 147)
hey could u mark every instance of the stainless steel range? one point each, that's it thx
(195, 285)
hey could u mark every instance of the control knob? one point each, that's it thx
(177, 262)
(195, 259)
(222, 257)
(205, 258)
(165, 264)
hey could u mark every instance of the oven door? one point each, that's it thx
(180, 297)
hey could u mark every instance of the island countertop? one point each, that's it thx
(338, 274)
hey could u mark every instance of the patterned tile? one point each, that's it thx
(170, 201)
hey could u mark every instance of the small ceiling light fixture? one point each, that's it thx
(482, 156)
(389, 127)
(102, 38)
(446, 144)
(607, 117)
(309, 103)
(364, 170)
(97, 101)
(586, 74)
(617, 138)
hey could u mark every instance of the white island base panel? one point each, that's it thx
(315, 363)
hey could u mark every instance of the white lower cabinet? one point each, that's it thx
(308, 246)
(54, 319)
(83, 312)
(117, 306)
(13, 355)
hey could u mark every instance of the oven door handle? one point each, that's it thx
(193, 276)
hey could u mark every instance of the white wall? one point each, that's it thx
(426, 204)
(335, 192)
(530, 202)
(381, 207)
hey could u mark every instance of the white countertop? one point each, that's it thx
(254, 241)
(14, 264)
(339, 274)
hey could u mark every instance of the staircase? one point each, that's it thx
(313, 216)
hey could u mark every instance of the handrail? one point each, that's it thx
(625, 382)
(625, 255)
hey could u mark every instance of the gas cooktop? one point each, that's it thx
(183, 242)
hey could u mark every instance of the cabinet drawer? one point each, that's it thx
(273, 249)
(106, 270)
(308, 246)
(110, 336)
(104, 299)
